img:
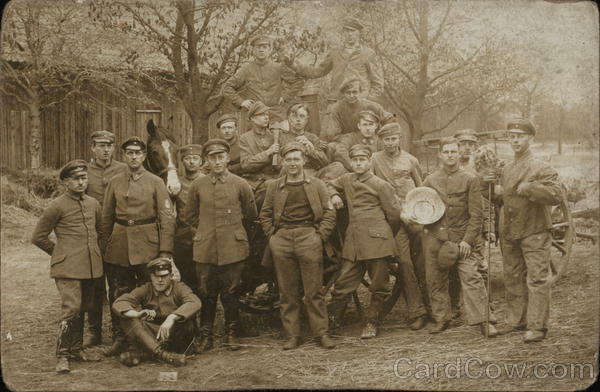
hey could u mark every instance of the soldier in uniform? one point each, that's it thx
(368, 124)
(157, 317)
(369, 239)
(459, 229)
(76, 264)
(191, 157)
(297, 220)
(100, 171)
(263, 80)
(257, 147)
(220, 205)
(228, 128)
(529, 188)
(403, 172)
(138, 224)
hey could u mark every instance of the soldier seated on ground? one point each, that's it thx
(157, 317)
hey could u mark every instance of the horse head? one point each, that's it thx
(161, 159)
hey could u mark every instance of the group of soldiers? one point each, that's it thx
(168, 258)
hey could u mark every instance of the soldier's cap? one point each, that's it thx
(291, 146)
(369, 115)
(521, 125)
(389, 129)
(353, 24)
(466, 134)
(190, 149)
(103, 137)
(257, 108)
(132, 142)
(424, 205)
(448, 254)
(73, 168)
(158, 265)
(225, 118)
(215, 146)
(360, 150)
(260, 39)
(349, 82)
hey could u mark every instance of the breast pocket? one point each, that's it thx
(378, 233)
(240, 235)
(457, 203)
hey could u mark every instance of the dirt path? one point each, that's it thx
(400, 358)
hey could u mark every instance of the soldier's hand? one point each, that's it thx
(464, 249)
(490, 177)
(147, 314)
(491, 237)
(337, 202)
(305, 142)
(247, 103)
(407, 218)
(274, 149)
(522, 188)
(165, 328)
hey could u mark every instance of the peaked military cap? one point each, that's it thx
(466, 134)
(72, 168)
(190, 149)
(369, 115)
(227, 117)
(159, 264)
(257, 108)
(103, 137)
(260, 39)
(214, 146)
(348, 82)
(360, 150)
(521, 125)
(389, 129)
(292, 146)
(134, 141)
(353, 24)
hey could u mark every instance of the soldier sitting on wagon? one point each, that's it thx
(317, 161)
(157, 317)
(368, 124)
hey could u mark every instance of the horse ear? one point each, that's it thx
(150, 127)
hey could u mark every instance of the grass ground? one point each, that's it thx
(30, 310)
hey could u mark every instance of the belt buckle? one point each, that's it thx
(130, 222)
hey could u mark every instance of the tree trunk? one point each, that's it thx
(36, 130)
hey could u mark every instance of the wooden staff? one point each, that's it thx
(276, 141)
(489, 260)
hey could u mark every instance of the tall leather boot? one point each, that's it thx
(335, 311)
(370, 328)
(231, 315)
(78, 353)
(63, 347)
(231, 340)
(94, 327)
(207, 320)
(169, 357)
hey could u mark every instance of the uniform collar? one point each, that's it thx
(283, 182)
(97, 164)
(260, 131)
(235, 140)
(365, 176)
(451, 171)
(74, 196)
(396, 153)
(367, 141)
(137, 175)
(191, 178)
(222, 178)
(525, 155)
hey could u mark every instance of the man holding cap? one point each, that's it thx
(297, 220)
(101, 169)
(257, 147)
(157, 317)
(263, 80)
(343, 62)
(530, 188)
(228, 128)
(138, 224)
(403, 172)
(369, 240)
(76, 264)
(220, 205)
(458, 229)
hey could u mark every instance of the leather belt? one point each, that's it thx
(135, 222)
(296, 225)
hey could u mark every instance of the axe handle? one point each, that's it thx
(275, 160)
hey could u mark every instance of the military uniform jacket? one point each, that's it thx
(99, 176)
(372, 214)
(235, 165)
(256, 163)
(318, 198)
(402, 170)
(316, 158)
(178, 299)
(218, 208)
(486, 222)
(75, 221)
(136, 196)
(461, 194)
(528, 213)
(350, 139)
(183, 232)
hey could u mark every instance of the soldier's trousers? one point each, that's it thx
(527, 279)
(122, 280)
(77, 296)
(184, 261)
(471, 282)
(96, 309)
(298, 260)
(410, 286)
(350, 277)
(482, 268)
(142, 334)
(214, 280)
